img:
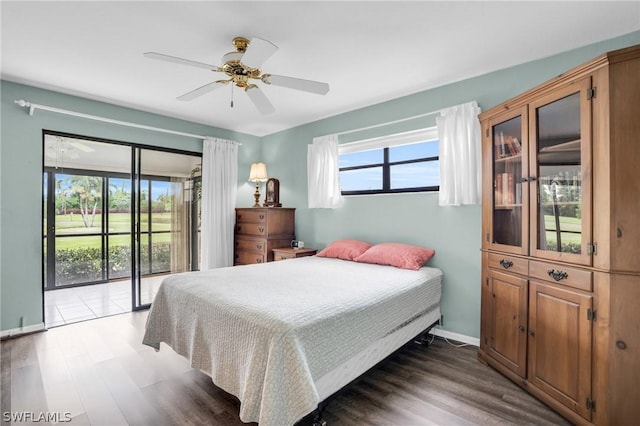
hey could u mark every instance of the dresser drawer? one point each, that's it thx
(258, 229)
(562, 274)
(247, 244)
(284, 253)
(505, 262)
(249, 257)
(249, 216)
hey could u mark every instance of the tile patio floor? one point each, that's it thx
(75, 304)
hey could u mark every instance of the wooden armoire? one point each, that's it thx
(561, 240)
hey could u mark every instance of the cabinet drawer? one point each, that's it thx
(243, 244)
(562, 274)
(509, 263)
(248, 216)
(283, 256)
(259, 229)
(249, 258)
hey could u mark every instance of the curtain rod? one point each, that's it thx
(32, 107)
(390, 122)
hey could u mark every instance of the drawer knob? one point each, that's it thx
(259, 246)
(239, 228)
(259, 260)
(621, 345)
(261, 217)
(261, 229)
(557, 275)
(239, 216)
(506, 264)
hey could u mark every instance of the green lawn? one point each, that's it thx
(114, 240)
(566, 224)
(118, 222)
(72, 224)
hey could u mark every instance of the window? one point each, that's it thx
(405, 162)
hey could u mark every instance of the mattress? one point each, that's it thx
(275, 334)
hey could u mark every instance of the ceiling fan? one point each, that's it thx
(60, 148)
(242, 66)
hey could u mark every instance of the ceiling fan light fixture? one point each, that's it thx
(242, 66)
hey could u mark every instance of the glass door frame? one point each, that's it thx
(51, 235)
(585, 257)
(489, 239)
(49, 209)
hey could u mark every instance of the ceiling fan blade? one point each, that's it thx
(174, 59)
(81, 146)
(202, 90)
(297, 83)
(258, 52)
(259, 99)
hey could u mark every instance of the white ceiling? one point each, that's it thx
(368, 52)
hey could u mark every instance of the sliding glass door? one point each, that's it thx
(86, 184)
(165, 225)
(114, 212)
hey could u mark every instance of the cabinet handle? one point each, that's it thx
(525, 179)
(261, 217)
(531, 333)
(532, 178)
(261, 229)
(557, 275)
(621, 345)
(506, 264)
(521, 328)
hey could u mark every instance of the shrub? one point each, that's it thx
(566, 247)
(84, 264)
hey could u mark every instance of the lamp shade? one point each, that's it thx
(258, 172)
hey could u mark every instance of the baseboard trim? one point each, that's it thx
(15, 332)
(455, 336)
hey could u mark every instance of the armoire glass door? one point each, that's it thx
(561, 229)
(509, 217)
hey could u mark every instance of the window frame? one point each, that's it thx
(385, 142)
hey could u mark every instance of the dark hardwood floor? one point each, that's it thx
(97, 372)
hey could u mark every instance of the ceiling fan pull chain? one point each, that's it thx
(232, 96)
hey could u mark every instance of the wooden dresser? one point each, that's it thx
(290, 253)
(561, 240)
(259, 230)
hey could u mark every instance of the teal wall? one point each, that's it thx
(414, 218)
(454, 232)
(21, 179)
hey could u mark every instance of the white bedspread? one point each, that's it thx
(265, 332)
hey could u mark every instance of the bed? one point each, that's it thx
(284, 336)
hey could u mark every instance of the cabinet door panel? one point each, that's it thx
(508, 321)
(560, 139)
(505, 171)
(560, 345)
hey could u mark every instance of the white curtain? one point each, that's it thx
(180, 226)
(460, 155)
(323, 174)
(219, 189)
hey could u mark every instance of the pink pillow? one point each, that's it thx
(405, 256)
(345, 249)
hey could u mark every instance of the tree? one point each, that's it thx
(88, 189)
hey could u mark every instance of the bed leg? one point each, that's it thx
(424, 338)
(317, 419)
